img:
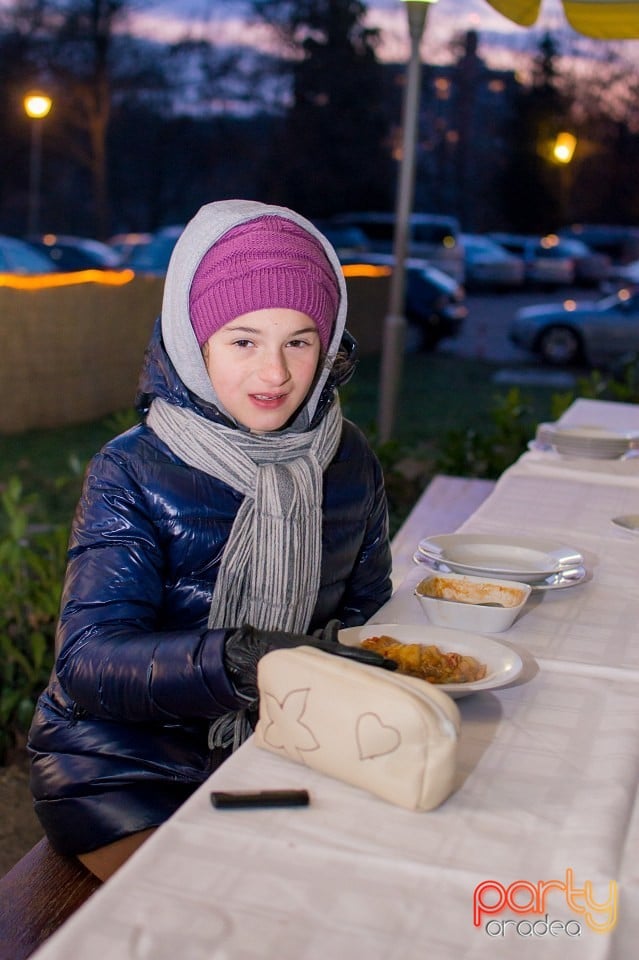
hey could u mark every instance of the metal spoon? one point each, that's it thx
(629, 521)
(485, 603)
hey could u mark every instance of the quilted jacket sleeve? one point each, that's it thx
(114, 657)
(369, 585)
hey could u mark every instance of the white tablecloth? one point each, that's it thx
(546, 791)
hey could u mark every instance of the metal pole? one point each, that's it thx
(35, 166)
(37, 106)
(395, 321)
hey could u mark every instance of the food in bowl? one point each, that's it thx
(467, 590)
(427, 662)
(471, 603)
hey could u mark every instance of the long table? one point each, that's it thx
(533, 855)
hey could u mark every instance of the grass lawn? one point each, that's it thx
(441, 396)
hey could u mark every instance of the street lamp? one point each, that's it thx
(395, 321)
(37, 107)
(563, 150)
(564, 147)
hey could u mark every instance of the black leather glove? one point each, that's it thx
(243, 649)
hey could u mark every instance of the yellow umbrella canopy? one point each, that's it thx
(602, 19)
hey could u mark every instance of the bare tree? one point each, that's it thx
(333, 151)
(82, 51)
(69, 47)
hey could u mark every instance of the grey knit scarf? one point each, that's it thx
(269, 575)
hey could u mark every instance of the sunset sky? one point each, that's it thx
(223, 21)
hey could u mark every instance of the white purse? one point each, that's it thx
(393, 735)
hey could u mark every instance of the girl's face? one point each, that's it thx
(262, 365)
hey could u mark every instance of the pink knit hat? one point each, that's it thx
(268, 262)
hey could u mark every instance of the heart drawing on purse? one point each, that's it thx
(374, 738)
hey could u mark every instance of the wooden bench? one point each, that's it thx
(37, 895)
(442, 508)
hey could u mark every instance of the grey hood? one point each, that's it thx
(207, 226)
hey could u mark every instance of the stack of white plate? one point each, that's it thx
(542, 563)
(596, 443)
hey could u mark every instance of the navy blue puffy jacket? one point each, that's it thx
(119, 738)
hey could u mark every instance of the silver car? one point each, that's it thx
(489, 265)
(545, 264)
(591, 266)
(604, 332)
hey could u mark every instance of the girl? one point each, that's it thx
(243, 514)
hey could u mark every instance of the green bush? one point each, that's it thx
(487, 453)
(621, 386)
(32, 559)
(512, 423)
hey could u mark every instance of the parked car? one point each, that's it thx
(591, 266)
(18, 256)
(604, 332)
(489, 265)
(150, 253)
(620, 243)
(621, 275)
(346, 240)
(76, 253)
(435, 304)
(123, 243)
(545, 264)
(432, 237)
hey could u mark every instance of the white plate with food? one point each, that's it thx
(496, 663)
(529, 559)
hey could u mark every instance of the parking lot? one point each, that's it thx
(485, 334)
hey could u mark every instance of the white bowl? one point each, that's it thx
(455, 600)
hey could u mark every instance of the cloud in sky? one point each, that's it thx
(501, 42)
(171, 17)
(224, 21)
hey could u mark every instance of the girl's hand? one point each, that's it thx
(244, 648)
